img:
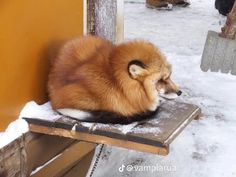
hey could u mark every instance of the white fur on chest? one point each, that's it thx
(156, 103)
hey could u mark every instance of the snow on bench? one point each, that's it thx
(152, 135)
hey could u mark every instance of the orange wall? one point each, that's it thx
(30, 30)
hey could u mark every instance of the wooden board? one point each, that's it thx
(35, 150)
(82, 167)
(153, 135)
(27, 152)
(66, 160)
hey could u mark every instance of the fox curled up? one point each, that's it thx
(123, 81)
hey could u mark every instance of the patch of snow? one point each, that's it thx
(42, 166)
(45, 111)
(127, 128)
(87, 124)
(132, 127)
(123, 128)
(146, 130)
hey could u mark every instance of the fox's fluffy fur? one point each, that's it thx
(92, 74)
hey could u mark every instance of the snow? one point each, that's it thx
(122, 128)
(206, 148)
(147, 130)
(32, 109)
(127, 128)
(18, 127)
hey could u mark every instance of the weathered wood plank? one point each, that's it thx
(170, 120)
(42, 149)
(105, 19)
(99, 139)
(28, 152)
(11, 165)
(82, 167)
(13, 159)
(66, 160)
(151, 135)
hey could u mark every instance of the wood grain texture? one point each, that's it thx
(82, 167)
(105, 19)
(10, 159)
(64, 162)
(147, 135)
(42, 149)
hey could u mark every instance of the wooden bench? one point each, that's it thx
(153, 135)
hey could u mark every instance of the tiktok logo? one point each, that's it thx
(121, 169)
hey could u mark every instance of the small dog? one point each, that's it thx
(111, 83)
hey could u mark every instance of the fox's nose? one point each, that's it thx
(179, 93)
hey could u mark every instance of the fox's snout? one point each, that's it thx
(168, 86)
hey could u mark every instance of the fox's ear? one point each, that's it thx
(136, 68)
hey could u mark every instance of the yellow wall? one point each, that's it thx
(29, 32)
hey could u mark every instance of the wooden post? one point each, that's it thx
(229, 30)
(105, 19)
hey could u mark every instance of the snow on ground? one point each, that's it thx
(206, 148)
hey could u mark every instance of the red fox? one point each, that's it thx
(92, 79)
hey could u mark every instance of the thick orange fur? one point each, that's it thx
(91, 74)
